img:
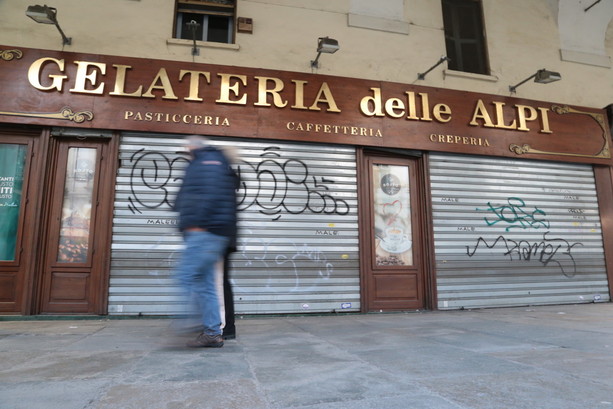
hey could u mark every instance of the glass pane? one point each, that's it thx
(77, 205)
(218, 29)
(12, 163)
(392, 204)
(185, 31)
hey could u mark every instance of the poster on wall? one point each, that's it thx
(393, 230)
(77, 206)
(12, 160)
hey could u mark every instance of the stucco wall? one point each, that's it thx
(522, 36)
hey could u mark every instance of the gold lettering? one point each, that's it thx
(34, 74)
(325, 96)
(391, 107)
(226, 88)
(120, 83)
(545, 120)
(299, 95)
(442, 113)
(149, 116)
(523, 118)
(82, 77)
(164, 85)
(375, 101)
(225, 122)
(411, 104)
(481, 113)
(263, 92)
(456, 139)
(128, 115)
(425, 107)
(500, 117)
(194, 83)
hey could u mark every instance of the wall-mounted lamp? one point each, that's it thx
(422, 75)
(192, 26)
(47, 15)
(325, 45)
(541, 77)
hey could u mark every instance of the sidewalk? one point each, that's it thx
(558, 357)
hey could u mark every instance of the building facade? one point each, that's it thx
(394, 155)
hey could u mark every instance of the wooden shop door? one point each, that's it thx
(392, 267)
(16, 219)
(76, 239)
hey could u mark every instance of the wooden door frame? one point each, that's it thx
(30, 226)
(106, 197)
(424, 215)
(603, 176)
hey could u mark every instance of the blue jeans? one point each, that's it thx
(196, 275)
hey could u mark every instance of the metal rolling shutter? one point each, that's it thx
(298, 239)
(515, 232)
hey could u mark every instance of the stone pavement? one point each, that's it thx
(558, 357)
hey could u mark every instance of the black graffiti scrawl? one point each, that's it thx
(275, 185)
(156, 177)
(292, 186)
(516, 215)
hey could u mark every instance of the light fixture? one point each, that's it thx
(325, 45)
(541, 77)
(422, 75)
(193, 27)
(47, 15)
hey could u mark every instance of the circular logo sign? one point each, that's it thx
(390, 184)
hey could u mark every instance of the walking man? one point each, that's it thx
(206, 204)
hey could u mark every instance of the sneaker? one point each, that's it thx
(206, 341)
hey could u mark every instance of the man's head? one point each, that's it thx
(196, 142)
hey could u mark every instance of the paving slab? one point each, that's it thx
(558, 357)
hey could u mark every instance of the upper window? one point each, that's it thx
(464, 36)
(214, 20)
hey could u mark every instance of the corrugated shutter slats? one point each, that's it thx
(515, 232)
(298, 240)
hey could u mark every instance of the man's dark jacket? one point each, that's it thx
(207, 198)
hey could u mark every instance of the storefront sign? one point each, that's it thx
(106, 92)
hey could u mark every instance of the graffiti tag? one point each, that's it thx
(515, 215)
(273, 186)
(547, 251)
